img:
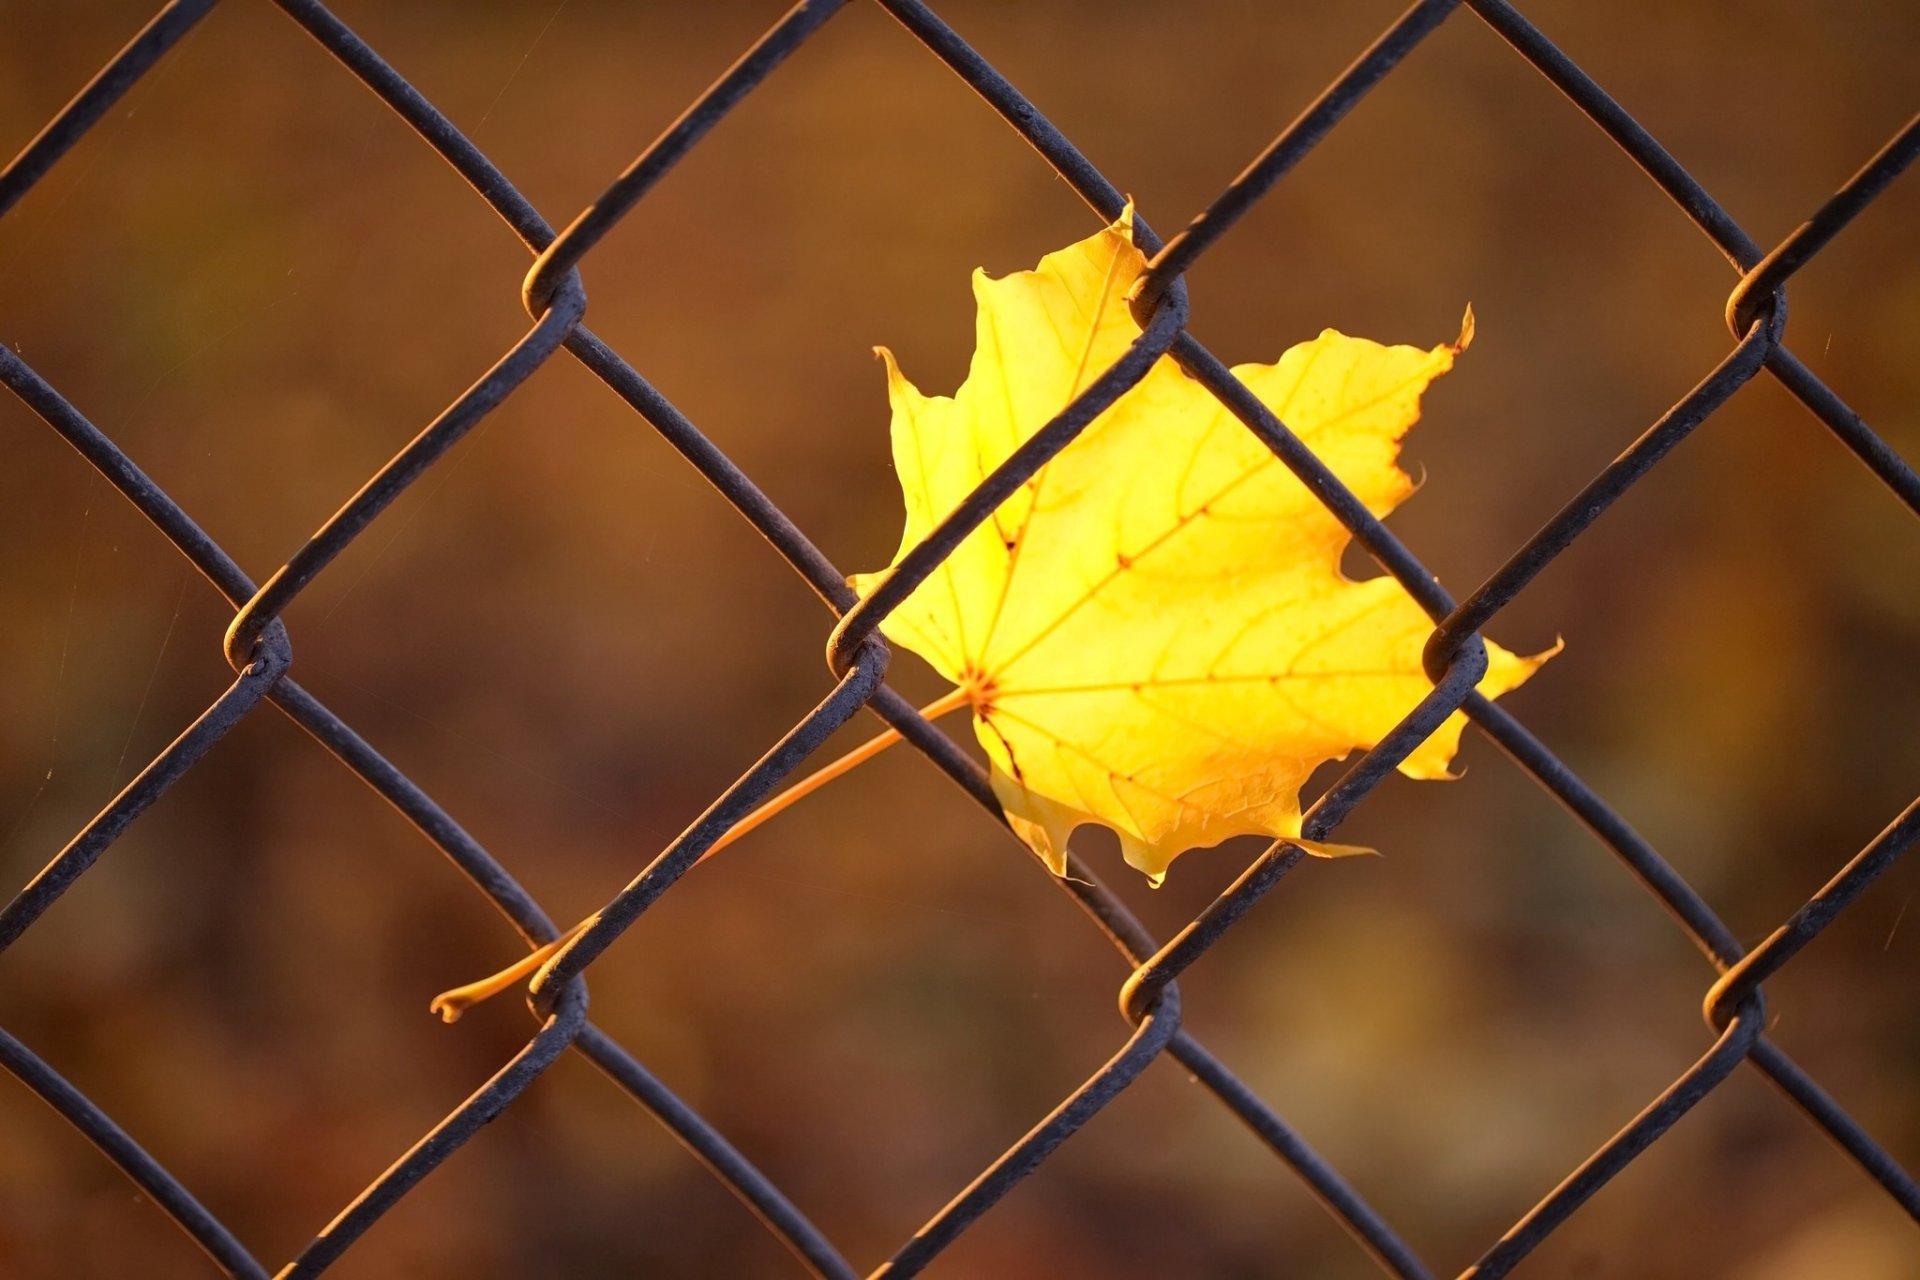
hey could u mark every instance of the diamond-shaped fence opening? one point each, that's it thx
(262, 650)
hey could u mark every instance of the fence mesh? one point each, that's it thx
(260, 650)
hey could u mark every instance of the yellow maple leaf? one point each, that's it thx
(1153, 633)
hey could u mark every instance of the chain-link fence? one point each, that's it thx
(259, 648)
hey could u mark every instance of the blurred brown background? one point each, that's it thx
(261, 285)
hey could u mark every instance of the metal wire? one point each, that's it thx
(260, 651)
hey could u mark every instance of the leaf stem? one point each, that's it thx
(451, 1004)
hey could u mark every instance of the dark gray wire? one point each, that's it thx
(259, 648)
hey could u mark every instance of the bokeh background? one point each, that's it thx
(261, 285)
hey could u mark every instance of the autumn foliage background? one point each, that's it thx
(260, 284)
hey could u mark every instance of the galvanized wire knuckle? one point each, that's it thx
(864, 670)
(545, 279)
(545, 993)
(272, 653)
(1734, 994)
(1733, 1047)
(1466, 665)
(1449, 647)
(1748, 1018)
(1165, 1007)
(1172, 959)
(1817, 912)
(1150, 993)
(1759, 300)
(855, 636)
(1153, 989)
(568, 300)
(854, 690)
(256, 637)
(1155, 289)
(1142, 987)
(569, 291)
(1442, 701)
(1770, 274)
(639, 178)
(1162, 324)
